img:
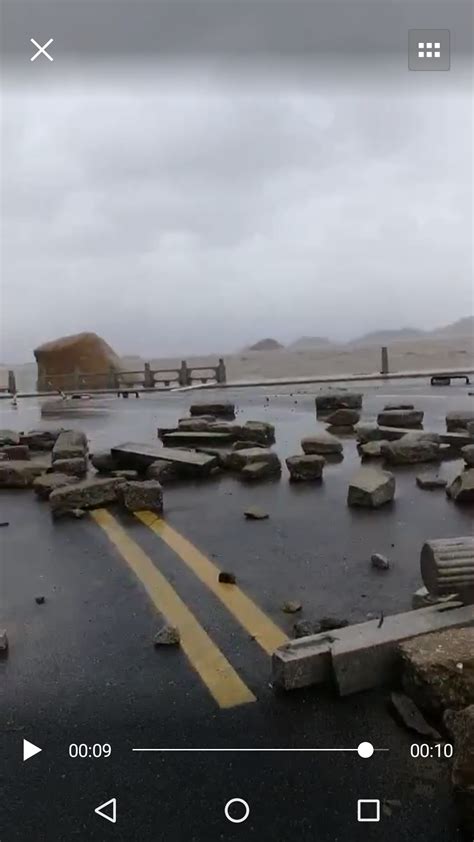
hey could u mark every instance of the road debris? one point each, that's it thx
(140, 496)
(167, 636)
(3, 642)
(256, 514)
(227, 578)
(379, 561)
(412, 717)
(461, 489)
(40, 600)
(431, 482)
(305, 468)
(291, 607)
(371, 488)
(321, 443)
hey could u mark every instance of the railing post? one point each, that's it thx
(221, 375)
(184, 374)
(384, 361)
(11, 382)
(148, 378)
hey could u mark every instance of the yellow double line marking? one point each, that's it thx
(249, 615)
(214, 669)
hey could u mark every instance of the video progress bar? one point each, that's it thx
(364, 750)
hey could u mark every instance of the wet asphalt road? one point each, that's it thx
(82, 668)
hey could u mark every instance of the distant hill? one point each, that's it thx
(463, 327)
(266, 345)
(384, 337)
(309, 343)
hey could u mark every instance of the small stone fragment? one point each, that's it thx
(379, 561)
(304, 628)
(422, 598)
(167, 636)
(40, 600)
(409, 714)
(227, 578)
(291, 607)
(256, 514)
(305, 468)
(3, 641)
(321, 443)
(331, 623)
(461, 489)
(431, 481)
(371, 488)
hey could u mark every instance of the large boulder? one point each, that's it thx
(195, 425)
(468, 455)
(458, 419)
(371, 488)
(368, 432)
(260, 431)
(86, 494)
(44, 485)
(20, 473)
(260, 470)
(163, 472)
(460, 725)
(75, 467)
(59, 362)
(40, 439)
(104, 462)
(237, 460)
(305, 468)
(8, 437)
(408, 451)
(343, 418)
(438, 669)
(15, 451)
(400, 418)
(371, 449)
(70, 444)
(461, 489)
(220, 410)
(330, 401)
(321, 443)
(139, 496)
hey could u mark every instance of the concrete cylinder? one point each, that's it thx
(447, 566)
(384, 360)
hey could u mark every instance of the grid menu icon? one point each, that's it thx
(429, 49)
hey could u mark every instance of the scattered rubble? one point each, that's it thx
(291, 607)
(411, 717)
(256, 514)
(9, 437)
(20, 473)
(227, 578)
(220, 410)
(457, 420)
(40, 439)
(306, 468)
(379, 561)
(422, 598)
(167, 636)
(468, 455)
(40, 600)
(16, 451)
(70, 444)
(461, 489)
(408, 451)
(343, 418)
(321, 443)
(138, 496)
(400, 418)
(46, 483)
(76, 466)
(330, 401)
(3, 642)
(438, 669)
(371, 449)
(371, 487)
(431, 481)
(85, 494)
(304, 628)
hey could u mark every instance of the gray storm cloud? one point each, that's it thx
(186, 215)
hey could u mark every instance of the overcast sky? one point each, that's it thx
(191, 215)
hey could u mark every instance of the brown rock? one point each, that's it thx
(46, 483)
(86, 353)
(438, 669)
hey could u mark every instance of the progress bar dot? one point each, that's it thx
(365, 750)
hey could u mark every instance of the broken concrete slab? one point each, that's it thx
(362, 656)
(16, 451)
(20, 473)
(141, 496)
(321, 444)
(259, 471)
(238, 459)
(307, 468)
(400, 418)
(139, 456)
(9, 437)
(40, 439)
(201, 439)
(438, 669)
(407, 451)
(46, 483)
(69, 445)
(398, 406)
(261, 431)
(85, 494)
(411, 716)
(343, 418)
(371, 487)
(431, 482)
(330, 401)
(369, 432)
(468, 455)
(459, 419)
(221, 410)
(422, 598)
(76, 467)
(103, 462)
(461, 489)
(163, 472)
(457, 440)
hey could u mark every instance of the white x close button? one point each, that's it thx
(41, 50)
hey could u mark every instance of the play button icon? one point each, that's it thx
(108, 810)
(29, 750)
